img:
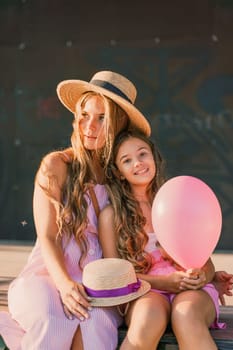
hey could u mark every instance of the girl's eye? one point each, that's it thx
(101, 118)
(144, 154)
(126, 161)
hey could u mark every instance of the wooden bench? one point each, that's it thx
(222, 337)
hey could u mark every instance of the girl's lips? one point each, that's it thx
(141, 172)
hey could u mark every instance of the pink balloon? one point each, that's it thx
(187, 220)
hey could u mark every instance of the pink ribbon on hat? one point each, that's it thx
(117, 292)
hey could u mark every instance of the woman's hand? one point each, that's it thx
(223, 282)
(75, 301)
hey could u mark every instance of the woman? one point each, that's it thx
(184, 298)
(47, 302)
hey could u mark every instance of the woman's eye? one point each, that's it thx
(101, 118)
(84, 115)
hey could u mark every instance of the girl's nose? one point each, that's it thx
(137, 162)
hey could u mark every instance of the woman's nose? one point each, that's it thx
(91, 123)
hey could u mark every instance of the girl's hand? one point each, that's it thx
(223, 282)
(194, 279)
(174, 281)
(75, 301)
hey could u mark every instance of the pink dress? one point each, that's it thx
(36, 320)
(162, 266)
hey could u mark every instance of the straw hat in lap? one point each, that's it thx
(112, 281)
(111, 84)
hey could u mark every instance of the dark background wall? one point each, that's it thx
(178, 53)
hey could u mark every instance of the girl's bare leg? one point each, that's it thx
(147, 320)
(192, 314)
(77, 343)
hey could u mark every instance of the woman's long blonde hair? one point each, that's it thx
(72, 217)
(129, 220)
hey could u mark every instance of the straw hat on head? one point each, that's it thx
(111, 84)
(112, 281)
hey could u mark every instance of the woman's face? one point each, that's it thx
(135, 162)
(91, 123)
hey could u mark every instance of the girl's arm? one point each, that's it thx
(208, 270)
(108, 239)
(170, 282)
(223, 282)
(174, 282)
(199, 277)
(178, 281)
(107, 235)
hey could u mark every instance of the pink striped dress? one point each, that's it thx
(36, 320)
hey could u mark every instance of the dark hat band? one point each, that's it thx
(110, 87)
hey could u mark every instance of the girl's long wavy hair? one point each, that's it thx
(129, 220)
(72, 214)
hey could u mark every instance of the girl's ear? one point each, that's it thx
(112, 171)
(117, 173)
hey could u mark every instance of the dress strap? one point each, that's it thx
(94, 201)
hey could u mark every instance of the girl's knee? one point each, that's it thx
(149, 316)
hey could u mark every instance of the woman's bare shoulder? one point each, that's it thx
(67, 154)
(56, 157)
(53, 160)
(53, 165)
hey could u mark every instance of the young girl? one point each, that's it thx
(47, 302)
(184, 298)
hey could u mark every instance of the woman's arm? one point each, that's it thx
(51, 176)
(45, 213)
(107, 235)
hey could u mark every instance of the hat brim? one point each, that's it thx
(114, 301)
(69, 91)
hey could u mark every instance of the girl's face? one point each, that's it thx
(135, 162)
(91, 123)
